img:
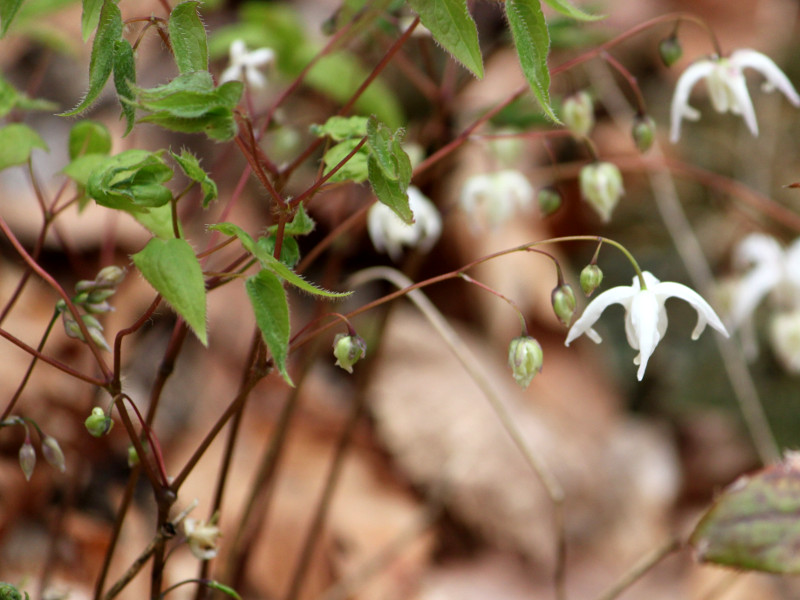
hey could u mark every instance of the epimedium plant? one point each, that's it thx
(371, 147)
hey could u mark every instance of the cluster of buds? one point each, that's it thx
(51, 450)
(92, 296)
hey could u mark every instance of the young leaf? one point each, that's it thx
(17, 141)
(188, 38)
(272, 263)
(271, 309)
(452, 26)
(391, 192)
(131, 181)
(191, 167)
(172, 268)
(90, 17)
(124, 80)
(379, 141)
(88, 137)
(217, 124)
(301, 223)
(8, 8)
(101, 63)
(158, 221)
(341, 128)
(532, 42)
(11, 98)
(565, 8)
(354, 169)
(290, 250)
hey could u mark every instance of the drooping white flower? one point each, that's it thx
(645, 315)
(784, 335)
(772, 271)
(389, 233)
(497, 195)
(727, 87)
(244, 65)
(202, 537)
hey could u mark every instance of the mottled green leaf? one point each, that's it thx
(755, 522)
(90, 17)
(88, 137)
(101, 63)
(532, 42)
(8, 8)
(17, 141)
(452, 26)
(190, 165)
(271, 309)
(124, 81)
(172, 268)
(567, 9)
(341, 128)
(188, 38)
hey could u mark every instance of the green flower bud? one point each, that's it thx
(348, 349)
(591, 277)
(71, 327)
(549, 201)
(601, 186)
(98, 424)
(643, 132)
(109, 277)
(84, 285)
(578, 113)
(133, 456)
(525, 359)
(27, 459)
(53, 454)
(670, 50)
(563, 300)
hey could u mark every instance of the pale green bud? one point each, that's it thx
(591, 278)
(348, 349)
(549, 201)
(643, 132)
(601, 186)
(109, 277)
(525, 358)
(98, 424)
(27, 459)
(71, 327)
(563, 300)
(670, 50)
(133, 456)
(578, 113)
(53, 454)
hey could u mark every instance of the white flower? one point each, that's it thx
(389, 233)
(772, 271)
(784, 334)
(497, 195)
(727, 87)
(202, 537)
(244, 65)
(645, 315)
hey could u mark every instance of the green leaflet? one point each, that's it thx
(753, 523)
(17, 141)
(191, 167)
(565, 8)
(271, 310)
(109, 31)
(172, 268)
(532, 42)
(272, 263)
(391, 192)
(188, 38)
(11, 98)
(131, 181)
(452, 26)
(90, 17)
(354, 169)
(8, 9)
(341, 128)
(389, 168)
(124, 80)
(88, 137)
(158, 221)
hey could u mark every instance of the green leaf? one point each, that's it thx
(11, 98)
(379, 142)
(271, 309)
(452, 26)
(124, 81)
(567, 9)
(131, 181)
(82, 167)
(109, 31)
(301, 223)
(158, 221)
(354, 169)
(188, 38)
(172, 268)
(8, 8)
(341, 128)
(290, 250)
(272, 263)
(190, 165)
(90, 17)
(88, 137)
(754, 523)
(217, 124)
(532, 42)
(17, 141)
(391, 192)
(223, 588)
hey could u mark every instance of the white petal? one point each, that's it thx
(617, 295)
(260, 57)
(680, 99)
(743, 105)
(752, 289)
(237, 51)
(757, 248)
(642, 326)
(766, 66)
(705, 314)
(254, 77)
(232, 73)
